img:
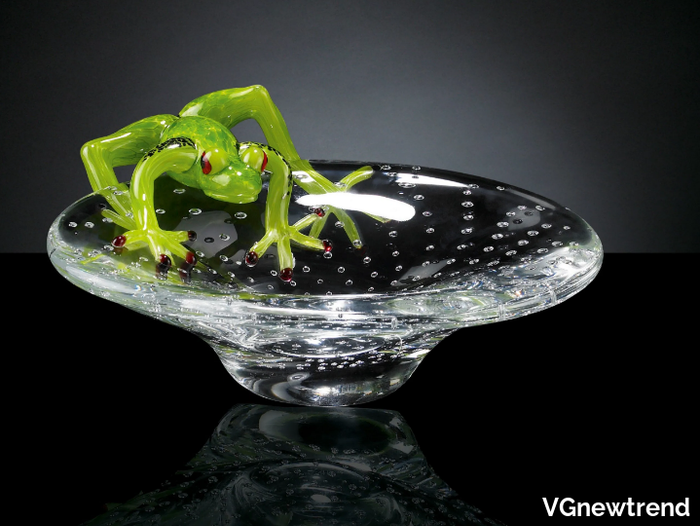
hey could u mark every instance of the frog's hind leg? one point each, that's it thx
(313, 183)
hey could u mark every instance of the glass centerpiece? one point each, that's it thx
(316, 282)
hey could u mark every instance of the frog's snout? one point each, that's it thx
(237, 199)
(234, 186)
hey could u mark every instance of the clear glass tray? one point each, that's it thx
(353, 323)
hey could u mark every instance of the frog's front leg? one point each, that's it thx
(175, 155)
(278, 231)
(122, 148)
(277, 228)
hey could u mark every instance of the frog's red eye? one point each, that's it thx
(206, 165)
(264, 163)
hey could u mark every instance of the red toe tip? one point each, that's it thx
(251, 259)
(119, 241)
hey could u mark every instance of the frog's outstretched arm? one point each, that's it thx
(122, 148)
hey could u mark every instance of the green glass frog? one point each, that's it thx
(198, 149)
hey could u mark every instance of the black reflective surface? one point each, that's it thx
(593, 399)
(268, 465)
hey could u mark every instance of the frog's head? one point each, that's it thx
(232, 177)
(225, 169)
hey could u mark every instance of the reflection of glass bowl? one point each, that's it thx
(352, 327)
(274, 466)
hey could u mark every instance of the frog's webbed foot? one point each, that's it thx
(318, 218)
(321, 189)
(283, 238)
(119, 199)
(163, 244)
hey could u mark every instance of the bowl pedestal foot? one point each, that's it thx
(327, 381)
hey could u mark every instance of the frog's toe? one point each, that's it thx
(119, 241)
(251, 258)
(129, 240)
(163, 265)
(258, 249)
(286, 274)
(186, 267)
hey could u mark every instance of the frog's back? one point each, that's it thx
(206, 133)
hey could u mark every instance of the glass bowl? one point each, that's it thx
(353, 323)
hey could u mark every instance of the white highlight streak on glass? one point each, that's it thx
(426, 180)
(370, 204)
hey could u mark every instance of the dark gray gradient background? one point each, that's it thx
(593, 104)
